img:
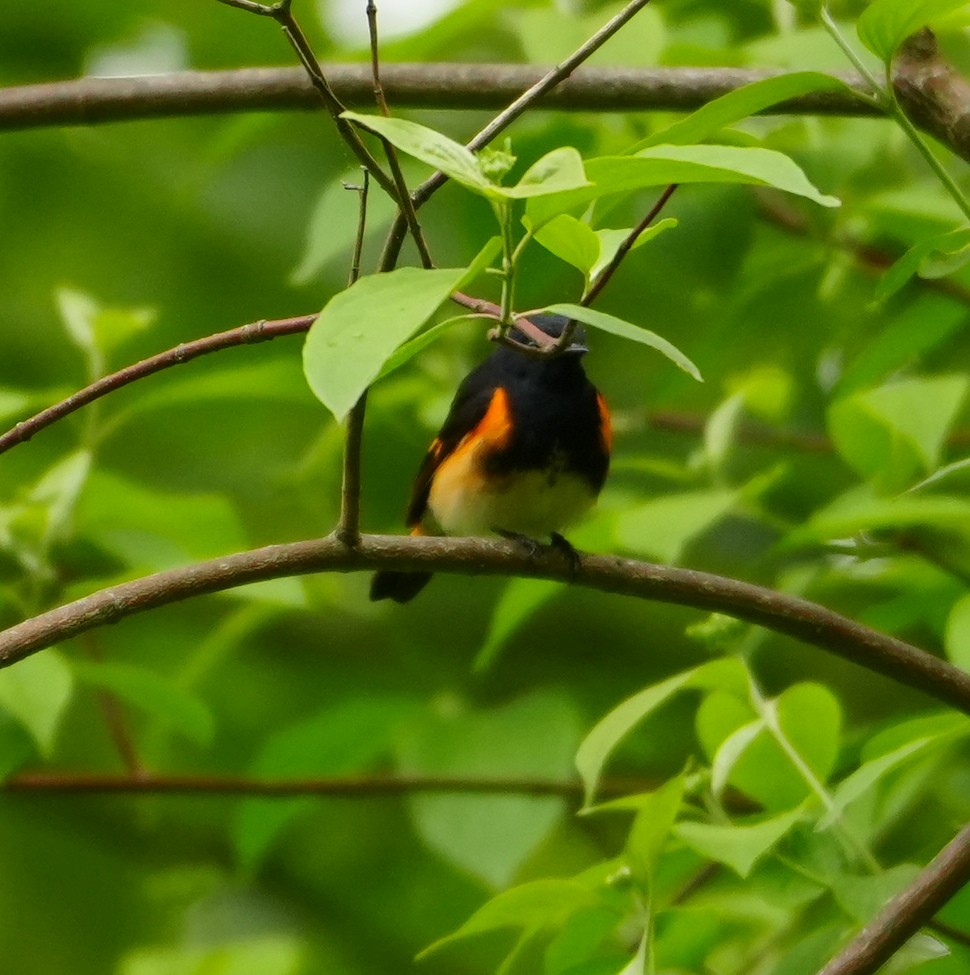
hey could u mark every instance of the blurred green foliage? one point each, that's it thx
(820, 457)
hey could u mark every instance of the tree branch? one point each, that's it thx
(261, 331)
(799, 618)
(907, 912)
(464, 87)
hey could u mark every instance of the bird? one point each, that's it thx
(523, 452)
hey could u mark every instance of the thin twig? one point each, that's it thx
(350, 787)
(505, 118)
(261, 331)
(907, 912)
(281, 13)
(799, 618)
(114, 715)
(603, 278)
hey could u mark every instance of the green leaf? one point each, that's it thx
(656, 813)
(36, 692)
(885, 24)
(602, 741)
(862, 897)
(616, 326)
(924, 259)
(360, 328)
(730, 752)
(489, 836)
(256, 955)
(531, 907)
(740, 104)
(861, 509)
(431, 147)
(741, 845)
(956, 638)
(663, 527)
(332, 227)
(97, 330)
(520, 600)
(873, 771)
(610, 241)
(559, 170)
(896, 432)
(152, 693)
(571, 240)
(348, 737)
(662, 165)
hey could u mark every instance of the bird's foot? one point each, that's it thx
(568, 550)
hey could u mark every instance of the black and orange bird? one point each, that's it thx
(523, 452)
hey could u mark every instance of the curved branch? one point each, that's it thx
(261, 331)
(88, 101)
(799, 618)
(907, 912)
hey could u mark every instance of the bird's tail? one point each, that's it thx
(402, 587)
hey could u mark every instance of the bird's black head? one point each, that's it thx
(553, 326)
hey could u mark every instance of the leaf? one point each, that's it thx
(862, 897)
(741, 845)
(519, 601)
(956, 638)
(431, 147)
(871, 772)
(740, 104)
(559, 170)
(610, 241)
(332, 227)
(571, 240)
(532, 907)
(152, 693)
(602, 741)
(256, 955)
(656, 813)
(860, 509)
(489, 836)
(360, 328)
(730, 752)
(36, 692)
(662, 165)
(885, 24)
(348, 737)
(895, 432)
(616, 326)
(663, 527)
(638, 963)
(926, 257)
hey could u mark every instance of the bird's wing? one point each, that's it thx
(467, 411)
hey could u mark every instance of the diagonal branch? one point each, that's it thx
(799, 618)
(907, 912)
(261, 331)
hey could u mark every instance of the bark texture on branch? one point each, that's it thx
(799, 618)
(440, 85)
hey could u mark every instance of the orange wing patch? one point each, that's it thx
(606, 423)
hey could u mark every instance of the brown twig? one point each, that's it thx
(261, 331)
(795, 617)
(350, 787)
(907, 912)
(527, 99)
(603, 278)
(114, 716)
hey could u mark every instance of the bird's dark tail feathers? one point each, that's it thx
(402, 587)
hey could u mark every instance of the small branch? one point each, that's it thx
(114, 715)
(621, 252)
(907, 912)
(282, 13)
(798, 618)
(551, 80)
(261, 331)
(349, 787)
(456, 87)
